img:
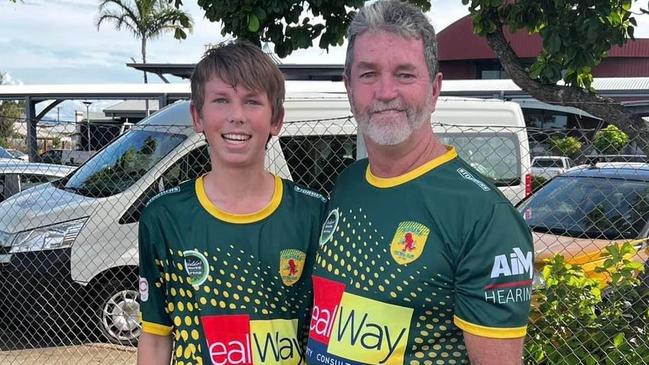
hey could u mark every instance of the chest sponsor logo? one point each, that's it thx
(408, 242)
(291, 265)
(196, 267)
(237, 340)
(329, 226)
(348, 328)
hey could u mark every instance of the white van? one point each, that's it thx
(75, 240)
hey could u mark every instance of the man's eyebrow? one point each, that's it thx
(366, 65)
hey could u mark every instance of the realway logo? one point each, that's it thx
(517, 263)
(356, 328)
(236, 340)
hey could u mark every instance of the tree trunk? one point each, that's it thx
(605, 108)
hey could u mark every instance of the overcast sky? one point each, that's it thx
(57, 42)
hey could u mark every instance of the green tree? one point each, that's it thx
(577, 34)
(568, 146)
(146, 19)
(10, 112)
(610, 140)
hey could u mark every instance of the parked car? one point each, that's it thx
(580, 212)
(548, 167)
(66, 157)
(16, 177)
(19, 155)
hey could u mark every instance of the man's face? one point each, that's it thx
(389, 88)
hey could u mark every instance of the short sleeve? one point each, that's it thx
(155, 319)
(494, 275)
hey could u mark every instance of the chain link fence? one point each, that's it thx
(68, 234)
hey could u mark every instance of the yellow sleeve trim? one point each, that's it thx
(239, 218)
(156, 329)
(390, 182)
(489, 332)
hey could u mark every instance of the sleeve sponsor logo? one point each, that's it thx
(506, 266)
(408, 242)
(350, 329)
(196, 267)
(291, 264)
(516, 263)
(467, 175)
(237, 340)
(329, 227)
(311, 193)
(143, 286)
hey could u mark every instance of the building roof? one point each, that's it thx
(524, 44)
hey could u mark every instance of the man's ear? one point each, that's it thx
(197, 122)
(276, 125)
(437, 86)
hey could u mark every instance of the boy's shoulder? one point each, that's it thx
(174, 198)
(302, 193)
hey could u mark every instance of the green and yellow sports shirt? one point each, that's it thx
(233, 289)
(408, 263)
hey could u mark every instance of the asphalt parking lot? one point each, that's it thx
(59, 347)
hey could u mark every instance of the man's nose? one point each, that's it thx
(386, 88)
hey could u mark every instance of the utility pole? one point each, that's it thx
(87, 103)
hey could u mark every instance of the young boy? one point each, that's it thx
(225, 259)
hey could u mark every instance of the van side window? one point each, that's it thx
(316, 161)
(190, 166)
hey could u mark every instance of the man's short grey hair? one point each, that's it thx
(397, 17)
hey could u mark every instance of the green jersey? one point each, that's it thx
(408, 263)
(233, 289)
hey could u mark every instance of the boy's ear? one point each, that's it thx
(276, 125)
(197, 122)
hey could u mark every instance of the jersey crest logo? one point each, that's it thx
(408, 242)
(196, 267)
(329, 227)
(291, 264)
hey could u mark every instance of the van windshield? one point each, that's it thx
(122, 163)
(494, 155)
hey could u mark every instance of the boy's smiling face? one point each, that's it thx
(236, 122)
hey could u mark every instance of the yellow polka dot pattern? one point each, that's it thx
(364, 263)
(236, 284)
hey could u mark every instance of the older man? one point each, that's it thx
(422, 261)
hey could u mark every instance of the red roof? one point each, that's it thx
(458, 42)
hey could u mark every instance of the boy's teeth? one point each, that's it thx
(236, 137)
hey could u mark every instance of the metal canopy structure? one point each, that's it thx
(633, 93)
(295, 72)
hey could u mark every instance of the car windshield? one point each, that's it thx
(4, 153)
(546, 162)
(122, 163)
(589, 207)
(494, 155)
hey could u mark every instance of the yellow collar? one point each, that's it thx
(239, 218)
(389, 182)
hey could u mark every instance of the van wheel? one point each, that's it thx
(118, 312)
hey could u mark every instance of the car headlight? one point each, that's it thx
(5, 239)
(52, 237)
(537, 281)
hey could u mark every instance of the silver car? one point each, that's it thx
(16, 175)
